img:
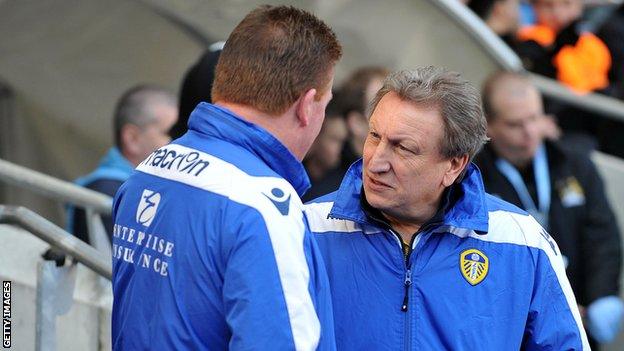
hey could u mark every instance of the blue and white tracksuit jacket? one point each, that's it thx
(482, 275)
(211, 249)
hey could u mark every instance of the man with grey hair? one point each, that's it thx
(418, 255)
(141, 123)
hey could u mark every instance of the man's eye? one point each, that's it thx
(403, 148)
(373, 135)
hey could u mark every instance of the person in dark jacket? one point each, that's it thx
(196, 87)
(502, 16)
(562, 189)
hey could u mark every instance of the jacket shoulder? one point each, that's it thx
(318, 212)
(206, 172)
(512, 225)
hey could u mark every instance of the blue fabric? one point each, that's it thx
(520, 304)
(113, 166)
(527, 14)
(208, 208)
(605, 318)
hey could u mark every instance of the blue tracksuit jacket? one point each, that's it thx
(481, 275)
(211, 249)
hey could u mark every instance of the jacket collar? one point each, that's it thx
(113, 166)
(223, 124)
(463, 205)
(115, 160)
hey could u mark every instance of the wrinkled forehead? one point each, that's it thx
(401, 118)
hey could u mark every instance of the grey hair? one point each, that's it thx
(456, 99)
(135, 107)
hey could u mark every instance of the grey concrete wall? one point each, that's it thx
(85, 327)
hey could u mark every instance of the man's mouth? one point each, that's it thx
(378, 183)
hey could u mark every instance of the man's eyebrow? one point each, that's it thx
(401, 139)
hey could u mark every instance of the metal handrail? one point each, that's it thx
(58, 238)
(598, 103)
(508, 60)
(483, 35)
(54, 188)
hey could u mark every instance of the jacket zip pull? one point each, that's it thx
(407, 283)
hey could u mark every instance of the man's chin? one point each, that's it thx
(376, 200)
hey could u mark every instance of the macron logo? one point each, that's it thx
(279, 200)
(147, 207)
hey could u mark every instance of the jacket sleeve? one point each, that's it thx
(554, 322)
(600, 242)
(266, 294)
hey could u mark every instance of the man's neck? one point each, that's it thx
(405, 227)
(278, 126)
(408, 227)
(132, 159)
(405, 230)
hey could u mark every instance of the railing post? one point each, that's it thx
(55, 295)
(97, 233)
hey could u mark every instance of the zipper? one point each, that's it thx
(407, 279)
(407, 283)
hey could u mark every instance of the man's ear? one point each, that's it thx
(129, 139)
(456, 166)
(305, 107)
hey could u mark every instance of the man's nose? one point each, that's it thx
(380, 160)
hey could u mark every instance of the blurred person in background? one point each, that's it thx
(502, 16)
(196, 86)
(357, 91)
(141, 123)
(561, 188)
(323, 160)
(211, 249)
(559, 46)
(418, 255)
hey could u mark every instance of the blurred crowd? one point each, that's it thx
(580, 44)
(562, 39)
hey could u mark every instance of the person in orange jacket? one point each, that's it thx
(559, 47)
